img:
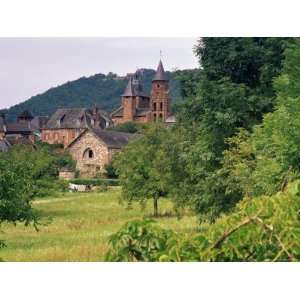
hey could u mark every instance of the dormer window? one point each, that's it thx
(61, 120)
(80, 120)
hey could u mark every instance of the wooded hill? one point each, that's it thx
(102, 90)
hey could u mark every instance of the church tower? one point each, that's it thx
(159, 99)
(128, 102)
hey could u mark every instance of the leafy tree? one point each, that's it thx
(234, 91)
(264, 161)
(141, 167)
(16, 192)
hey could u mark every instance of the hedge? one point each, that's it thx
(95, 181)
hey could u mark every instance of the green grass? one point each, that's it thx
(79, 225)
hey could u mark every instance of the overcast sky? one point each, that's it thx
(29, 66)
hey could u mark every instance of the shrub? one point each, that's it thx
(140, 240)
(261, 229)
(110, 171)
(95, 181)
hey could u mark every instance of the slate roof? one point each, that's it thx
(112, 139)
(38, 122)
(26, 115)
(160, 74)
(134, 87)
(75, 118)
(22, 128)
(4, 145)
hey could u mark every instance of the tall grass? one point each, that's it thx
(78, 226)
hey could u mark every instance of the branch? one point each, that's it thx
(284, 249)
(228, 233)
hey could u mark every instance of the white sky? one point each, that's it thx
(29, 66)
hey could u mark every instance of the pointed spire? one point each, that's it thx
(160, 73)
(129, 91)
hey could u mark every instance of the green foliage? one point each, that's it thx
(41, 164)
(140, 240)
(266, 160)
(95, 181)
(102, 90)
(129, 127)
(16, 192)
(260, 229)
(110, 171)
(141, 167)
(233, 90)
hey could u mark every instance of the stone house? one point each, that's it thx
(94, 148)
(66, 124)
(137, 106)
(26, 129)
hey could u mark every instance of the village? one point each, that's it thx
(84, 132)
(213, 177)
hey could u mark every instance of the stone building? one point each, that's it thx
(66, 124)
(137, 106)
(94, 148)
(25, 130)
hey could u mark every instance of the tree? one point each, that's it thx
(141, 167)
(16, 192)
(234, 91)
(269, 157)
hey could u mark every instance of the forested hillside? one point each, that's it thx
(100, 89)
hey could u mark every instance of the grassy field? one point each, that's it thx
(79, 225)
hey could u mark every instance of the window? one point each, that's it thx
(88, 154)
(161, 106)
(154, 106)
(158, 85)
(61, 120)
(160, 116)
(154, 116)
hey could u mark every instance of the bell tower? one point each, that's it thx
(159, 99)
(128, 101)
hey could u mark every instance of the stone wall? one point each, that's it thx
(90, 166)
(160, 102)
(66, 175)
(60, 136)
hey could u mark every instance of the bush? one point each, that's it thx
(95, 181)
(260, 229)
(46, 187)
(110, 171)
(140, 240)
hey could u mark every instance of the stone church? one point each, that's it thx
(95, 148)
(137, 106)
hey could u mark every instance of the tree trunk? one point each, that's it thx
(155, 207)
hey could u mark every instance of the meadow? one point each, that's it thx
(76, 227)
